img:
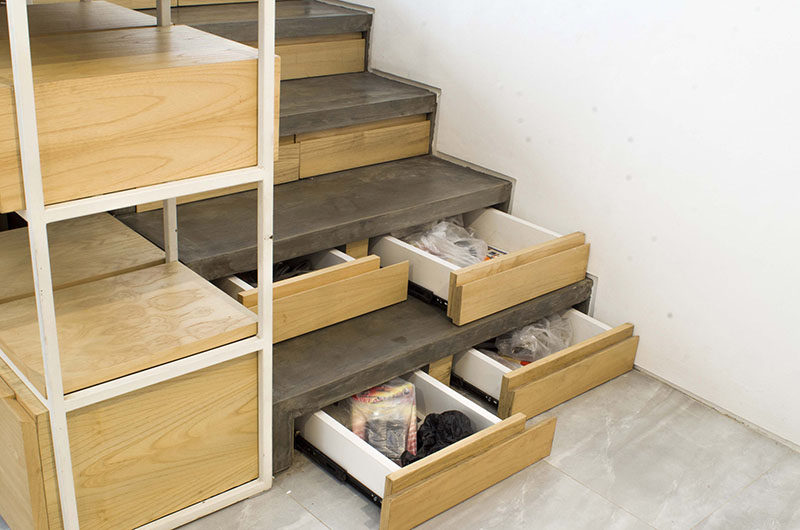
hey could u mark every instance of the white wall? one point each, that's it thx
(670, 133)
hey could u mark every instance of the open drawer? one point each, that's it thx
(529, 261)
(340, 288)
(597, 354)
(425, 488)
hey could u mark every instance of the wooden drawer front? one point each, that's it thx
(320, 55)
(120, 119)
(598, 354)
(536, 261)
(419, 491)
(331, 295)
(22, 501)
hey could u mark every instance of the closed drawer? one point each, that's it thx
(320, 55)
(419, 491)
(132, 456)
(597, 353)
(339, 289)
(532, 261)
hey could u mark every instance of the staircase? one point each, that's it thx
(315, 212)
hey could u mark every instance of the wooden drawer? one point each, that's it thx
(118, 117)
(597, 353)
(421, 490)
(320, 55)
(341, 288)
(133, 458)
(536, 261)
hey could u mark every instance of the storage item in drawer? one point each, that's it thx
(81, 250)
(68, 17)
(423, 489)
(134, 459)
(119, 325)
(113, 111)
(530, 261)
(597, 354)
(340, 289)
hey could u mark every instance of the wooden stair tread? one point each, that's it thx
(45, 19)
(218, 236)
(81, 250)
(120, 325)
(293, 18)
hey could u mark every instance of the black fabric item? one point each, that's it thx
(437, 432)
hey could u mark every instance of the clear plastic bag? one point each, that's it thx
(385, 417)
(537, 340)
(449, 240)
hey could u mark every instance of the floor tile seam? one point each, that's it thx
(289, 494)
(597, 493)
(730, 498)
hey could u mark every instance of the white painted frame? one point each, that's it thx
(365, 463)
(486, 374)
(38, 216)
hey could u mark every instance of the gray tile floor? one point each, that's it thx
(631, 454)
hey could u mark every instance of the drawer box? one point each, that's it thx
(320, 55)
(598, 353)
(535, 261)
(133, 458)
(419, 491)
(339, 289)
(118, 117)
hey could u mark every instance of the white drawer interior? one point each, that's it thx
(500, 230)
(486, 374)
(365, 463)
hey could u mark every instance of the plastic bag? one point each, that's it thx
(537, 340)
(385, 417)
(448, 240)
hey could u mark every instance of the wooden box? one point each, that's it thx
(136, 457)
(532, 261)
(419, 491)
(596, 354)
(320, 55)
(127, 108)
(339, 289)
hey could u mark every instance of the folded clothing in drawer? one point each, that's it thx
(525, 261)
(127, 108)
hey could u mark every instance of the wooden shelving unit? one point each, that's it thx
(71, 382)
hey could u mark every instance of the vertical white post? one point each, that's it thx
(171, 229)
(163, 14)
(22, 69)
(266, 112)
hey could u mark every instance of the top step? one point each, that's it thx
(293, 18)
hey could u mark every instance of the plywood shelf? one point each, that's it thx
(81, 250)
(113, 111)
(120, 325)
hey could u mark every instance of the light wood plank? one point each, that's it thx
(360, 127)
(133, 457)
(336, 153)
(329, 304)
(120, 325)
(573, 380)
(357, 249)
(314, 279)
(97, 15)
(500, 291)
(113, 112)
(206, 2)
(314, 59)
(287, 168)
(307, 39)
(442, 369)
(409, 507)
(276, 123)
(157, 205)
(81, 250)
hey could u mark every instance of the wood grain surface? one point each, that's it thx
(312, 57)
(124, 324)
(68, 17)
(81, 250)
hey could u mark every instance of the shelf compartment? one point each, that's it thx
(597, 354)
(339, 289)
(118, 118)
(422, 490)
(533, 261)
(71, 17)
(129, 453)
(81, 250)
(116, 326)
